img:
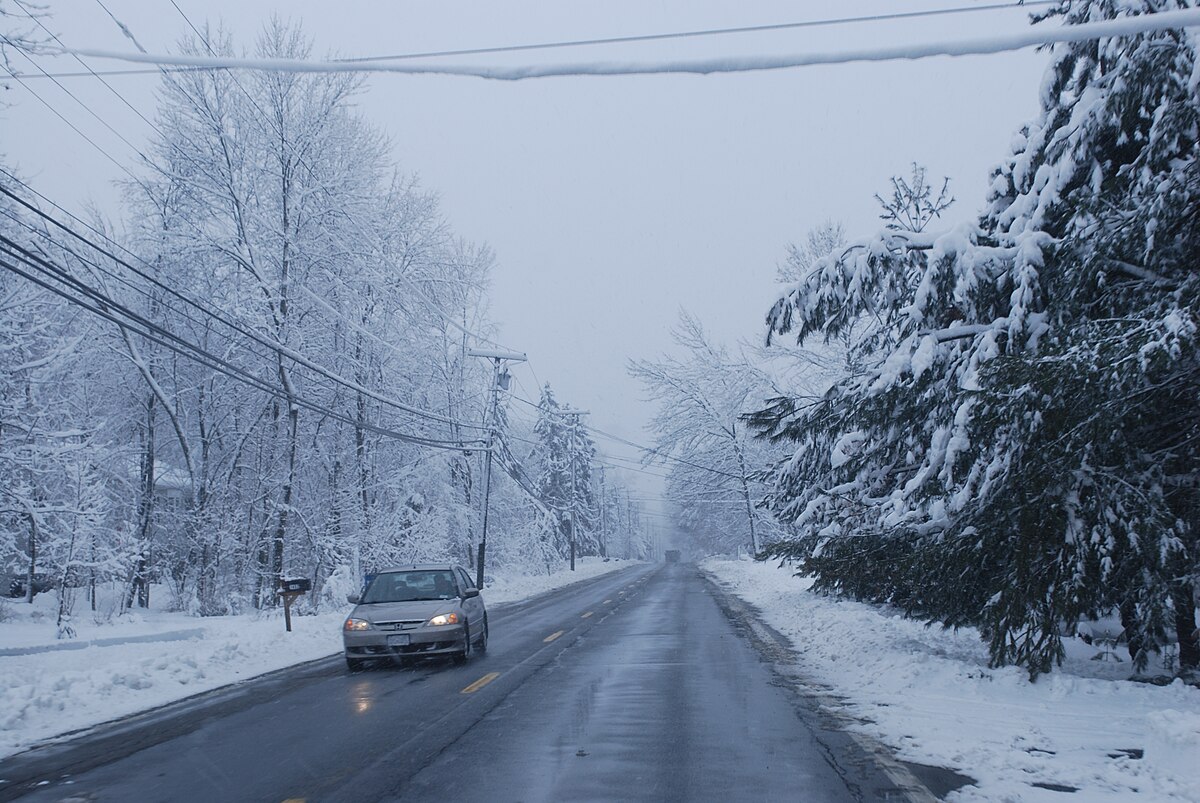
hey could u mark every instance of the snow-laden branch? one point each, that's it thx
(999, 43)
(1138, 272)
(965, 330)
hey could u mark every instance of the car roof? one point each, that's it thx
(418, 567)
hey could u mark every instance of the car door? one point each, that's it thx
(472, 606)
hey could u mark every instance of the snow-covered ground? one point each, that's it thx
(929, 695)
(117, 666)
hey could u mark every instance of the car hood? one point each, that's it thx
(393, 611)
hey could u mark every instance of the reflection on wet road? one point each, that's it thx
(662, 701)
(632, 686)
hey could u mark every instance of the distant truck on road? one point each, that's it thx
(671, 555)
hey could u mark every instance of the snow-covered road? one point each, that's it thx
(143, 660)
(637, 685)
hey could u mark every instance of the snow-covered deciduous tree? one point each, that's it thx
(337, 300)
(55, 530)
(18, 30)
(283, 385)
(715, 478)
(1020, 450)
(820, 242)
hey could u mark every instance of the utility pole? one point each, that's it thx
(496, 357)
(629, 511)
(574, 452)
(603, 517)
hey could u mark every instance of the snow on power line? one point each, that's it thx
(1038, 35)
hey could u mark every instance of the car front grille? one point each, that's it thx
(400, 624)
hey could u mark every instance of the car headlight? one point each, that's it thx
(357, 624)
(443, 619)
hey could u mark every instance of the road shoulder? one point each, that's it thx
(859, 758)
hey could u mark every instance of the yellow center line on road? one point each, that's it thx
(586, 615)
(479, 684)
(552, 637)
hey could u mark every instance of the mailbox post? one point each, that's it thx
(289, 590)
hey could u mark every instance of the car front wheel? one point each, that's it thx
(354, 664)
(465, 655)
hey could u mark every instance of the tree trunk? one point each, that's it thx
(138, 585)
(210, 552)
(360, 433)
(737, 450)
(1185, 503)
(33, 541)
(65, 592)
(1183, 598)
(1128, 610)
(285, 378)
(289, 484)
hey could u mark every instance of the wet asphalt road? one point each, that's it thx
(632, 686)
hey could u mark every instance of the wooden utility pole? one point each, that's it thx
(497, 357)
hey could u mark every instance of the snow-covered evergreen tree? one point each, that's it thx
(1020, 448)
(564, 458)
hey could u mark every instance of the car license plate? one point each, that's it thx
(398, 641)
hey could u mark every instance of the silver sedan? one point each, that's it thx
(416, 611)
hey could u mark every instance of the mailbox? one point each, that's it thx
(290, 590)
(299, 585)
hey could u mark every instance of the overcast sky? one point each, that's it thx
(610, 202)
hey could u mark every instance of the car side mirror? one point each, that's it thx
(470, 592)
(353, 598)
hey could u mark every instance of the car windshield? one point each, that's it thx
(411, 586)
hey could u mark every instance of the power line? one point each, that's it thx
(980, 45)
(73, 127)
(279, 349)
(226, 321)
(124, 29)
(96, 266)
(658, 37)
(169, 141)
(275, 346)
(645, 449)
(600, 457)
(108, 309)
(611, 40)
(434, 305)
(71, 94)
(103, 305)
(147, 329)
(690, 501)
(665, 455)
(83, 63)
